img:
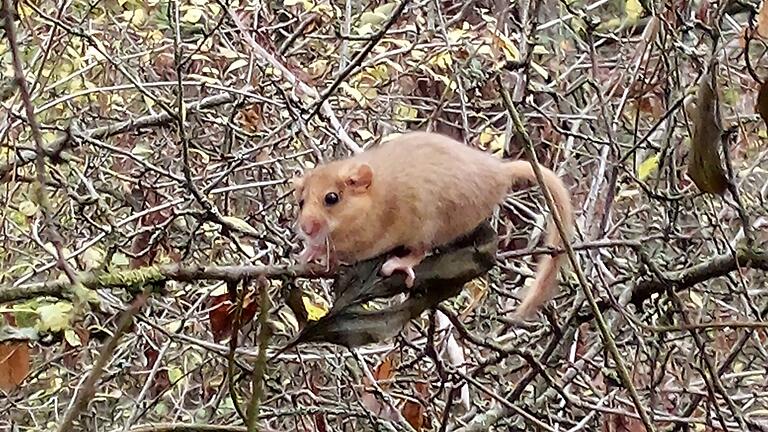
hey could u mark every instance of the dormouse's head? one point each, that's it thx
(330, 197)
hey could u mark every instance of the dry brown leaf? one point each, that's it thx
(414, 414)
(14, 364)
(219, 317)
(386, 370)
(413, 411)
(706, 168)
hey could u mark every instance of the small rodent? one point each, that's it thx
(419, 191)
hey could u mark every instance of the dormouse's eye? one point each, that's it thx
(301, 203)
(331, 198)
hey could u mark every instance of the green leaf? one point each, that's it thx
(175, 374)
(120, 260)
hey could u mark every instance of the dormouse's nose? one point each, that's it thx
(311, 226)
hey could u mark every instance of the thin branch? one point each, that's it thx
(265, 56)
(715, 267)
(586, 287)
(42, 193)
(359, 58)
(88, 388)
(63, 143)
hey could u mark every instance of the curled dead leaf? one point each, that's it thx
(706, 168)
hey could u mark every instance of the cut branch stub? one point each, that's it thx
(439, 277)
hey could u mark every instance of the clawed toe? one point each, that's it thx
(397, 264)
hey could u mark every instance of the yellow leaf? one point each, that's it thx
(633, 9)
(378, 72)
(175, 374)
(385, 9)
(355, 93)
(53, 317)
(220, 290)
(136, 17)
(148, 102)
(155, 35)
(647, 167)
(696, 299)
(215, 9)
(237, 64)
(92, 258)
(487, 136)
(72, 338)
(364, 134)
(372, 18)
(28, 208)
(497, 145)
(456, 35)
(442, 60)
(314, 311)
(173, 326)
(322, 8)
(507, 46)
(241, 225)
(540, 70)
(405, 112)
(93, 53)
(229, 53)
(203, 78)
(365, 29)
(192, 16)
(24, 11)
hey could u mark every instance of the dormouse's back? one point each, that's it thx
(420, 153)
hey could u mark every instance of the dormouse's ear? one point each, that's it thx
(297, 183)
(359, 177)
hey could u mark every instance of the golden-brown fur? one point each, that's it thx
(425, 191)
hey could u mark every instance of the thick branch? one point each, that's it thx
(136, 280)
(686, 278)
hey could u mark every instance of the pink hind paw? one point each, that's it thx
(404, 264)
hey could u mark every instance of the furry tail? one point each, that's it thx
(545, 286)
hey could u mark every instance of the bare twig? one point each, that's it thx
(586, 287)
(42, 193)
(359, 58)
(89, 386)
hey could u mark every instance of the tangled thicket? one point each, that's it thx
(169, 133)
